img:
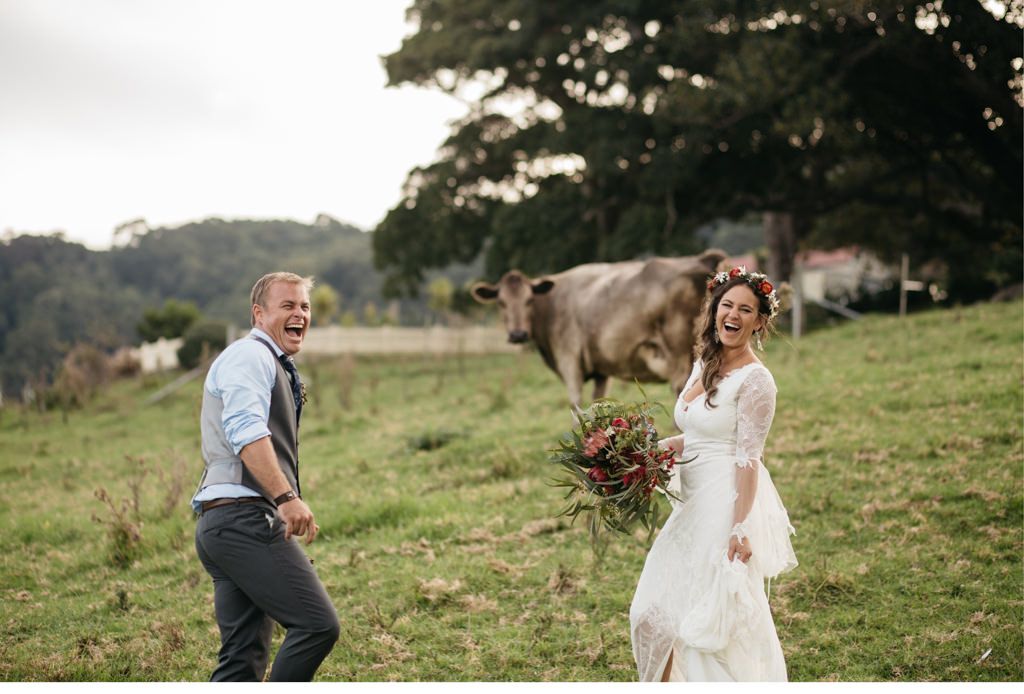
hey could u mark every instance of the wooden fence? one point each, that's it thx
(402, 340)
(336, 340)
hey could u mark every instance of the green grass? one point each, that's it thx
(896, 447)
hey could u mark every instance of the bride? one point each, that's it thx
(700, 612)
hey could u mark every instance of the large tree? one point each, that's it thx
(613, 128)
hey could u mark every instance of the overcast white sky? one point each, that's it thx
(179, 110)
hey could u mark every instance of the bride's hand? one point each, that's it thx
(672, 443)
(739, 548)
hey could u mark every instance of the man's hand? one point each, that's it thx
(261, 460)
(298, 520)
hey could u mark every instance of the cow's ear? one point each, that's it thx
(542, 286)
(711, 258)
(483, 292)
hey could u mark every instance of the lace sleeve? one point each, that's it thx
(754, 412)
(755, 409)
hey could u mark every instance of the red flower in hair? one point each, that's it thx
(766, 288)
(735, 272)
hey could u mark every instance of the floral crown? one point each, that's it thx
(757, 281)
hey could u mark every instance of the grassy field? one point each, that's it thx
(896, 447)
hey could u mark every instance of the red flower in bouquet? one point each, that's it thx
(594, 442)
(632, 476)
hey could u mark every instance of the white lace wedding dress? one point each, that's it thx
(691, 600)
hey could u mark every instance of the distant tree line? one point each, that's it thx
(58, 294)
(607, 130)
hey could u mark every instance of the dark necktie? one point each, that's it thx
(289, 365)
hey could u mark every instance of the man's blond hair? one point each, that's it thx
(258, 295)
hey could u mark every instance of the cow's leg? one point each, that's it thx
(600, 386)
(572, 376)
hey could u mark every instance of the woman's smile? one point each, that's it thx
(737, 316)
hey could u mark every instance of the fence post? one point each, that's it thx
(798, 301)
(907, 285)
(904, 272)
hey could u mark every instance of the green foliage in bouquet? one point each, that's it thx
(614, 464)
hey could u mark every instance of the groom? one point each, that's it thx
(249, 501)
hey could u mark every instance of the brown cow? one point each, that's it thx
(630, 320)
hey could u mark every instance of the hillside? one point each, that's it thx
(896, 446)
(57, 293)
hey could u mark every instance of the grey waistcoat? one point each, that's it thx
(224, 466)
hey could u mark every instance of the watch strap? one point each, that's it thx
(287, 496)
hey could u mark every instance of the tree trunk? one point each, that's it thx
(780, 237)
(671, 216)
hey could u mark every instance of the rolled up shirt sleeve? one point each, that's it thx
(244, 381)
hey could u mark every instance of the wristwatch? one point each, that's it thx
(287, 496)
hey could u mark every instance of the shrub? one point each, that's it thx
(201, 341)
(124, 528)
(123, 363)
(173, 320)
(85, 368)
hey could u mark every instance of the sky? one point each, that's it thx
(111, 110)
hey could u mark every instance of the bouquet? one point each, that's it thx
(614, 464)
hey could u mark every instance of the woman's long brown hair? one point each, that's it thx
(708, 349)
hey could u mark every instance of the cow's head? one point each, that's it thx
(514, 294)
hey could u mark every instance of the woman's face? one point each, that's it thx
(737, 317)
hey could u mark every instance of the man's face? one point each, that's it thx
(286, 315)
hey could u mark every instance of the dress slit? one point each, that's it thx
(666, 662)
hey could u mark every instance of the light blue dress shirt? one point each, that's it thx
(242, 377)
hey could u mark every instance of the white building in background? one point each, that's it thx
(842, 275)
(161, 355)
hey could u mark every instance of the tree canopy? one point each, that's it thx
(614, 128)
(325, 302)
(170, 321)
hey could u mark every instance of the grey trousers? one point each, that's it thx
(260, 578)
